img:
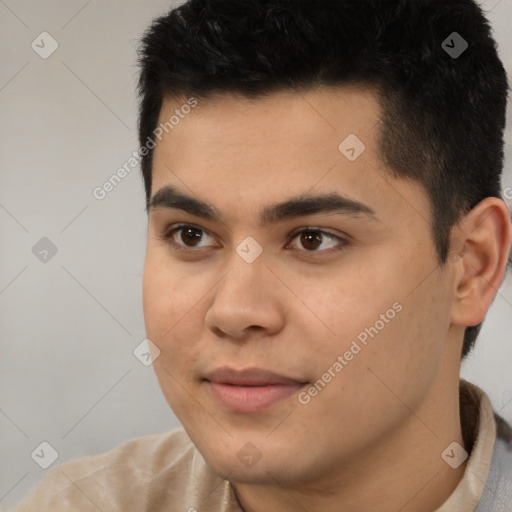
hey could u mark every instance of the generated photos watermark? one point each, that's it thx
(356, 347)
(100, 192)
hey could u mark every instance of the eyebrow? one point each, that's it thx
(299, 206)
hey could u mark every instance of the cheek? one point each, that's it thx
(171, 305)
(169, 295)
(341, 305)
(172, 315)
(404, 358)
(372, 314)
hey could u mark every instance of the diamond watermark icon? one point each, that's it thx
(249, 249)
(44, 455)
(352, 147)
(249, 455)
(44, 45)
(454, 455)
(454, 45)
(146, 352)
(44, 250)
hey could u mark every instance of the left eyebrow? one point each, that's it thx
(311, 205)
(300, 206)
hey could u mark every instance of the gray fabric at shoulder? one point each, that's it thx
(497, 493)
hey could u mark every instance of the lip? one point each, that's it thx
(250, 390)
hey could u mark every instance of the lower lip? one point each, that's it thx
(251, 398)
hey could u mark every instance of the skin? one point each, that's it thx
(371, 439)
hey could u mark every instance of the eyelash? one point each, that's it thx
(168, 237)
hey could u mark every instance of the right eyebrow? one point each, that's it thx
(170, 197)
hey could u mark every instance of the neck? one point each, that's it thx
(404, 471)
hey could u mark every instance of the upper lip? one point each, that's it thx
(248, 377)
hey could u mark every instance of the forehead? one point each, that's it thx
(264, 150)
(280, 117)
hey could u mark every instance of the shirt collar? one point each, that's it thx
(468, 492)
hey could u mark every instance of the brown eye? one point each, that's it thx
(186, 236)
(191, 236)
(311, 240)
(316, 240)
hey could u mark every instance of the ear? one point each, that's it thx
(482, 243)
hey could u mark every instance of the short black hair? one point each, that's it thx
(444, 104)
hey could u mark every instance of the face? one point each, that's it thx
(290, 283)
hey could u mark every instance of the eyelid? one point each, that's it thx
(324, 231)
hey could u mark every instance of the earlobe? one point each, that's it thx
(480, 249)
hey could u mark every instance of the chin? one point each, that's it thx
(252, 467)
(237, 473)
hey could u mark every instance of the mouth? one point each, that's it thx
(250, 390)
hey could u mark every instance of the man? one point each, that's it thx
(326, 235)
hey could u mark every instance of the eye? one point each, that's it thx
(187, 236)
(316, 240)
(310, 240)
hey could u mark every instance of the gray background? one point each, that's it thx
(69, 325)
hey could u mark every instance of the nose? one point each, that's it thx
(248, 301)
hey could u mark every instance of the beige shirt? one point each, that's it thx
(165, 472)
